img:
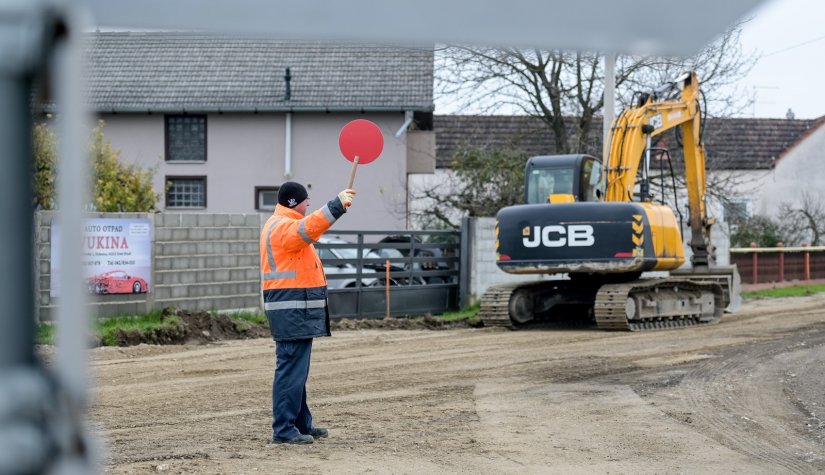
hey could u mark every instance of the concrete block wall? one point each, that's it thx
(200, 262)
(206, 261)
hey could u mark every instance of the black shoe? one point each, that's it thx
(298, 439)
(318, 432)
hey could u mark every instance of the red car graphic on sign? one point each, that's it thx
(117, 282)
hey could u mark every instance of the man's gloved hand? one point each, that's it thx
(346, 197)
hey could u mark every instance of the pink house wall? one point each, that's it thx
(247, 150)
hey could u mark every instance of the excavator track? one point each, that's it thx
(511, 304)
(613, 304)
(495, 304)
(652, 303)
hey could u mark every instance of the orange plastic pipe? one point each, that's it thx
(387, 282)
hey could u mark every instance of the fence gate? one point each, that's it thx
(393, 273)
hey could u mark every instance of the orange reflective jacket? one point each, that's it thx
(292, 280)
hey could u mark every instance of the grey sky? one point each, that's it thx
(790, 36)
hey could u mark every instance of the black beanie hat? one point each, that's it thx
(291, 194)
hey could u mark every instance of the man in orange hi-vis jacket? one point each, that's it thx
(295, 300)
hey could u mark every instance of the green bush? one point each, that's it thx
(763, 231)
(118, 186)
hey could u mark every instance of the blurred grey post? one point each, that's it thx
(22, 51)
(24, 40)
(76, 449)
(73, 129)
(40, 416)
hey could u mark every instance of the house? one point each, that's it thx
(796, 171)
(224, 120)
(757, 163)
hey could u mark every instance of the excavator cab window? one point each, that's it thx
(544, 182)
(563, 179)
(591, 184)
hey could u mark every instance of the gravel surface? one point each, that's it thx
(745, 396)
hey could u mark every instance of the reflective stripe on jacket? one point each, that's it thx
(292, 277)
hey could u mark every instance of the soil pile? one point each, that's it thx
(182, 326)
(191, 327)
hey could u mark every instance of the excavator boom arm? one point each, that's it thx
(630, 135)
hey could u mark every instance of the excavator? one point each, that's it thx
(606, 247)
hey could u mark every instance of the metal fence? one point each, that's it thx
(394, 273)
(759, 265)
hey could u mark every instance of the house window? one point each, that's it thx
(185, 138)
(266, 197)
(186, 192)
(737, 211)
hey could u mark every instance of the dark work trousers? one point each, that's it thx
(290, 414)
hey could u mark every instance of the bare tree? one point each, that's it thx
(551, 85)
(804, 223)
(480, 183)
(565, 91)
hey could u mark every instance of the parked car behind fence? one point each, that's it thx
(357, 270)
(343, 274)
(434, 263)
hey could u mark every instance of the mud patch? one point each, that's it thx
(181, 326)
(418, 323)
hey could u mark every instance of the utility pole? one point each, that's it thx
(609, 108)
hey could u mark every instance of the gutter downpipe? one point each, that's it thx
(408, 118)
(288, 125)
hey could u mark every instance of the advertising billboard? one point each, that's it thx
(117, 256)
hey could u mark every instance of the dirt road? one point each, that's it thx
(744, 396)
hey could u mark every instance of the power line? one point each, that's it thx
(795, 46)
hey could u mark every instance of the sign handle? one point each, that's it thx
(352, 173)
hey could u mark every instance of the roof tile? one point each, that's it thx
(730, 143)
(186, 71)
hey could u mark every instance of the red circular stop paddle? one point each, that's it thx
(361, 141)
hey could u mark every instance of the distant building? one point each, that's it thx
(224, 120)
(767, 162)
